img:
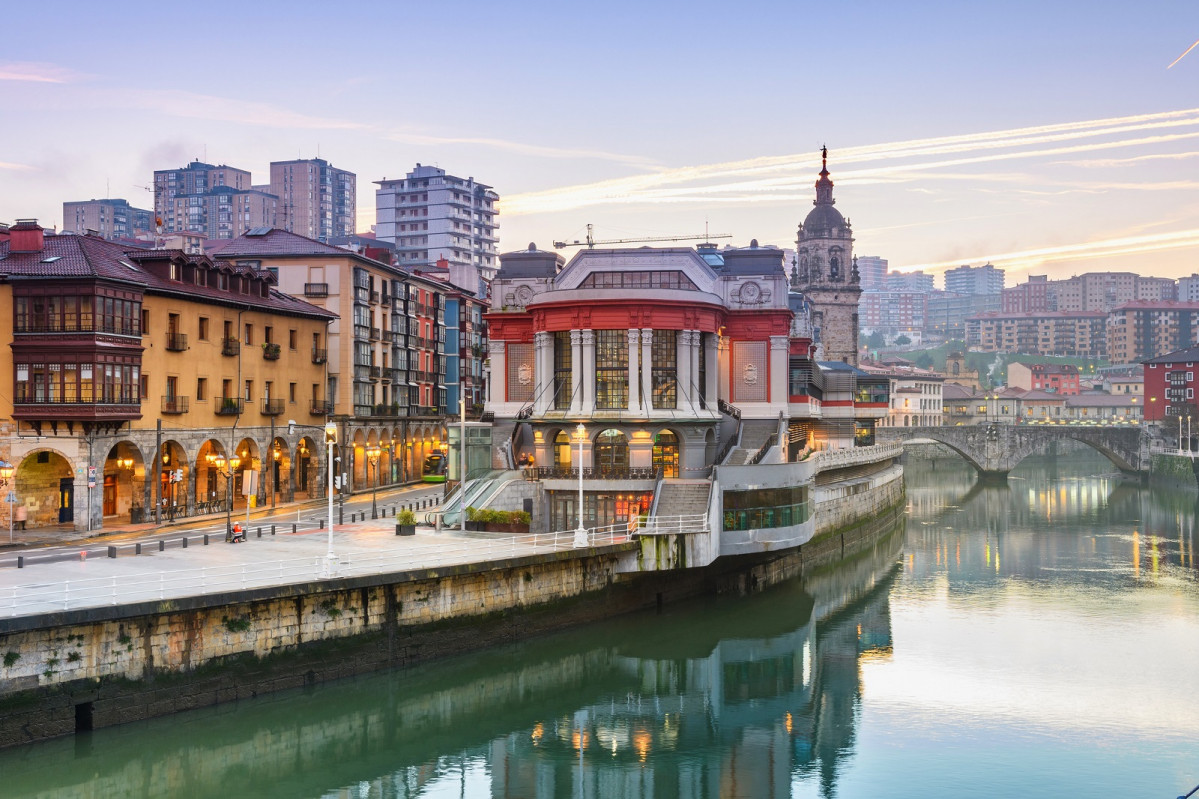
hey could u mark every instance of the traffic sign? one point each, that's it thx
(11, 498)
(91, 477)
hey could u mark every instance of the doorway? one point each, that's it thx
(110, 495)
(66, 500)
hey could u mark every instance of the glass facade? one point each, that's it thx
(611, 369)
(664, 368)
(765, 508)
(611, 451)
(638, 280)
(562, 367)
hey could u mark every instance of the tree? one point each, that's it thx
(876, 340)
(924, 360)
(902, 340)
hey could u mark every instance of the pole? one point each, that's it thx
(157, 472)
(462, 458)
(330, 558)
(272, 461)
(581, 533)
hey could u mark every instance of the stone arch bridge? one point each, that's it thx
(995, 449)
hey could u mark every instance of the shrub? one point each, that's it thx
(408, 517)
(11, 658)
(472, 514)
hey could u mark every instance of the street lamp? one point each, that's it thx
(7, 470)
(220, 463)
(330, 440)
(581, 533)
(372, 455)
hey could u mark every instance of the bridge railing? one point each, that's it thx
(855, 456)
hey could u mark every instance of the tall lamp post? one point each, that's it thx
(7, 470)
(330, 440)
(372, 457)
(581, 533)
(220, 463)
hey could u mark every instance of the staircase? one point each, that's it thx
(683, 498)
(754, 433)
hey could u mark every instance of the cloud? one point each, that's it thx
(16, 167)
(190, 105)
(35, 72)
(1136, 159)
(541, 151)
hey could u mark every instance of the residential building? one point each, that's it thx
(1054, 378)
(1105, 291)
(1170, 384)
(109, 219)
(969, 280)
(386, 351)
(872, 272)
(218, 201)
(1097, 408)
(316, 199)
(430, 215)
(946, 313)
(1188, 289)
(915, 395)
(916, 282)
(1032, 296)
(108, 341)
(1078, 335)
(1041, 407)
(828, 275)
(961, 405)
(1138, 331)
(893, 312)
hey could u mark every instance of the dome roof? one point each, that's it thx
(822, 221)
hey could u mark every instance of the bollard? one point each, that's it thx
(272, 529)
(162, 545)
(137, 549)
(20, 561)
(341, 515)
(112, 552)
(185, 542)
(322, 525)
(293, 528)
(260, 532)
(206, 539)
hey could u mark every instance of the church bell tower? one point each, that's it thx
(827, 273)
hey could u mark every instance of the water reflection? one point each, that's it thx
(1033, 639)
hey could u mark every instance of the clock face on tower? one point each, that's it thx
(750, 292)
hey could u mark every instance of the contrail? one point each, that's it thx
(630, 189)
(1184, 55)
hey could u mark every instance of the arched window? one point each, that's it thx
(562, 450)
(611, 451)
(666, 453)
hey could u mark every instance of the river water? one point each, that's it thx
(1039, 639)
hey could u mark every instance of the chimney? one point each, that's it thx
(26, 236)
(443, 263)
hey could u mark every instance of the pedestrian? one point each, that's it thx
(21, 515)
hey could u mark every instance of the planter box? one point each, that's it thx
(405, 529)
(475, 526)
(505, 528)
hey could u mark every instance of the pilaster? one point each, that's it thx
(587, 397)
(647, 377)
(634, 382)
(576, 372)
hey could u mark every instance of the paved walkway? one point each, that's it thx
(367, 547)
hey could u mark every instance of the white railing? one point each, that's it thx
(54, 596)
(854, 456)
(674, 525)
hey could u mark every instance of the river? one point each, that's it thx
(1038, 639)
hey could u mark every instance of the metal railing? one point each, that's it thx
(319, 355)
(272, 407)
(230, 346)
(176, 342)
(589, 473)
(321, 407)
(46, 596)
(674, 525)
(316, 289)
(174, 404)
(228, 406)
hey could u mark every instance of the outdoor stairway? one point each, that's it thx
(754, 433)
(683, 498)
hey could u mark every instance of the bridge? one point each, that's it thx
(995, 449)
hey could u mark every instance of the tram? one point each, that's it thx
(434, 470)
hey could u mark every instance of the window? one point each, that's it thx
(201, 389)
(172, 387)
(611, 369)
(291, 392)
(268, 335)
(249, 391)
(291, 339)
(145, 386)
(249, 334)
(202, 332)
(562, 369)
(145, 321)
(664, 359)
(611, 451)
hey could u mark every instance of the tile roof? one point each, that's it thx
(91, 256)
(274, 242)
(1190, 354)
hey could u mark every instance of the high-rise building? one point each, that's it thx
(1188, 289)
(217, 201)
(1139, 331)
(316, 199)
(110, 219)
(827, 274)
(430, 215)
(872, 272)
(909, 281)
(985, 279)
(1030, 296)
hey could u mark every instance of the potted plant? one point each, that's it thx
(473, 522)
(405, 522)
(271, 351)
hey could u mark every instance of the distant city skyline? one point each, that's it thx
(954, 138)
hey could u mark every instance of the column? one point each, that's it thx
(780, 348)
(683, 374)
(588, 379)
(647, 376)
(540, 392)
(716, 346)
(634, 382)
(497, 385)
(576, 372)
(694, 355)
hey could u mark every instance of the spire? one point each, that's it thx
(824, 186)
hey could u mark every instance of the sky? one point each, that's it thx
(1046, 138)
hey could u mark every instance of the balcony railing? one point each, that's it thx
(230, 346)
(321, 407)
(174, 404)
(271, 352)
(176, 342)
(376, 372)
(272, 407)
(374, 296)
(316, 289)
(228, 406)
(319, 355)
(591, 473)
(375, 334)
